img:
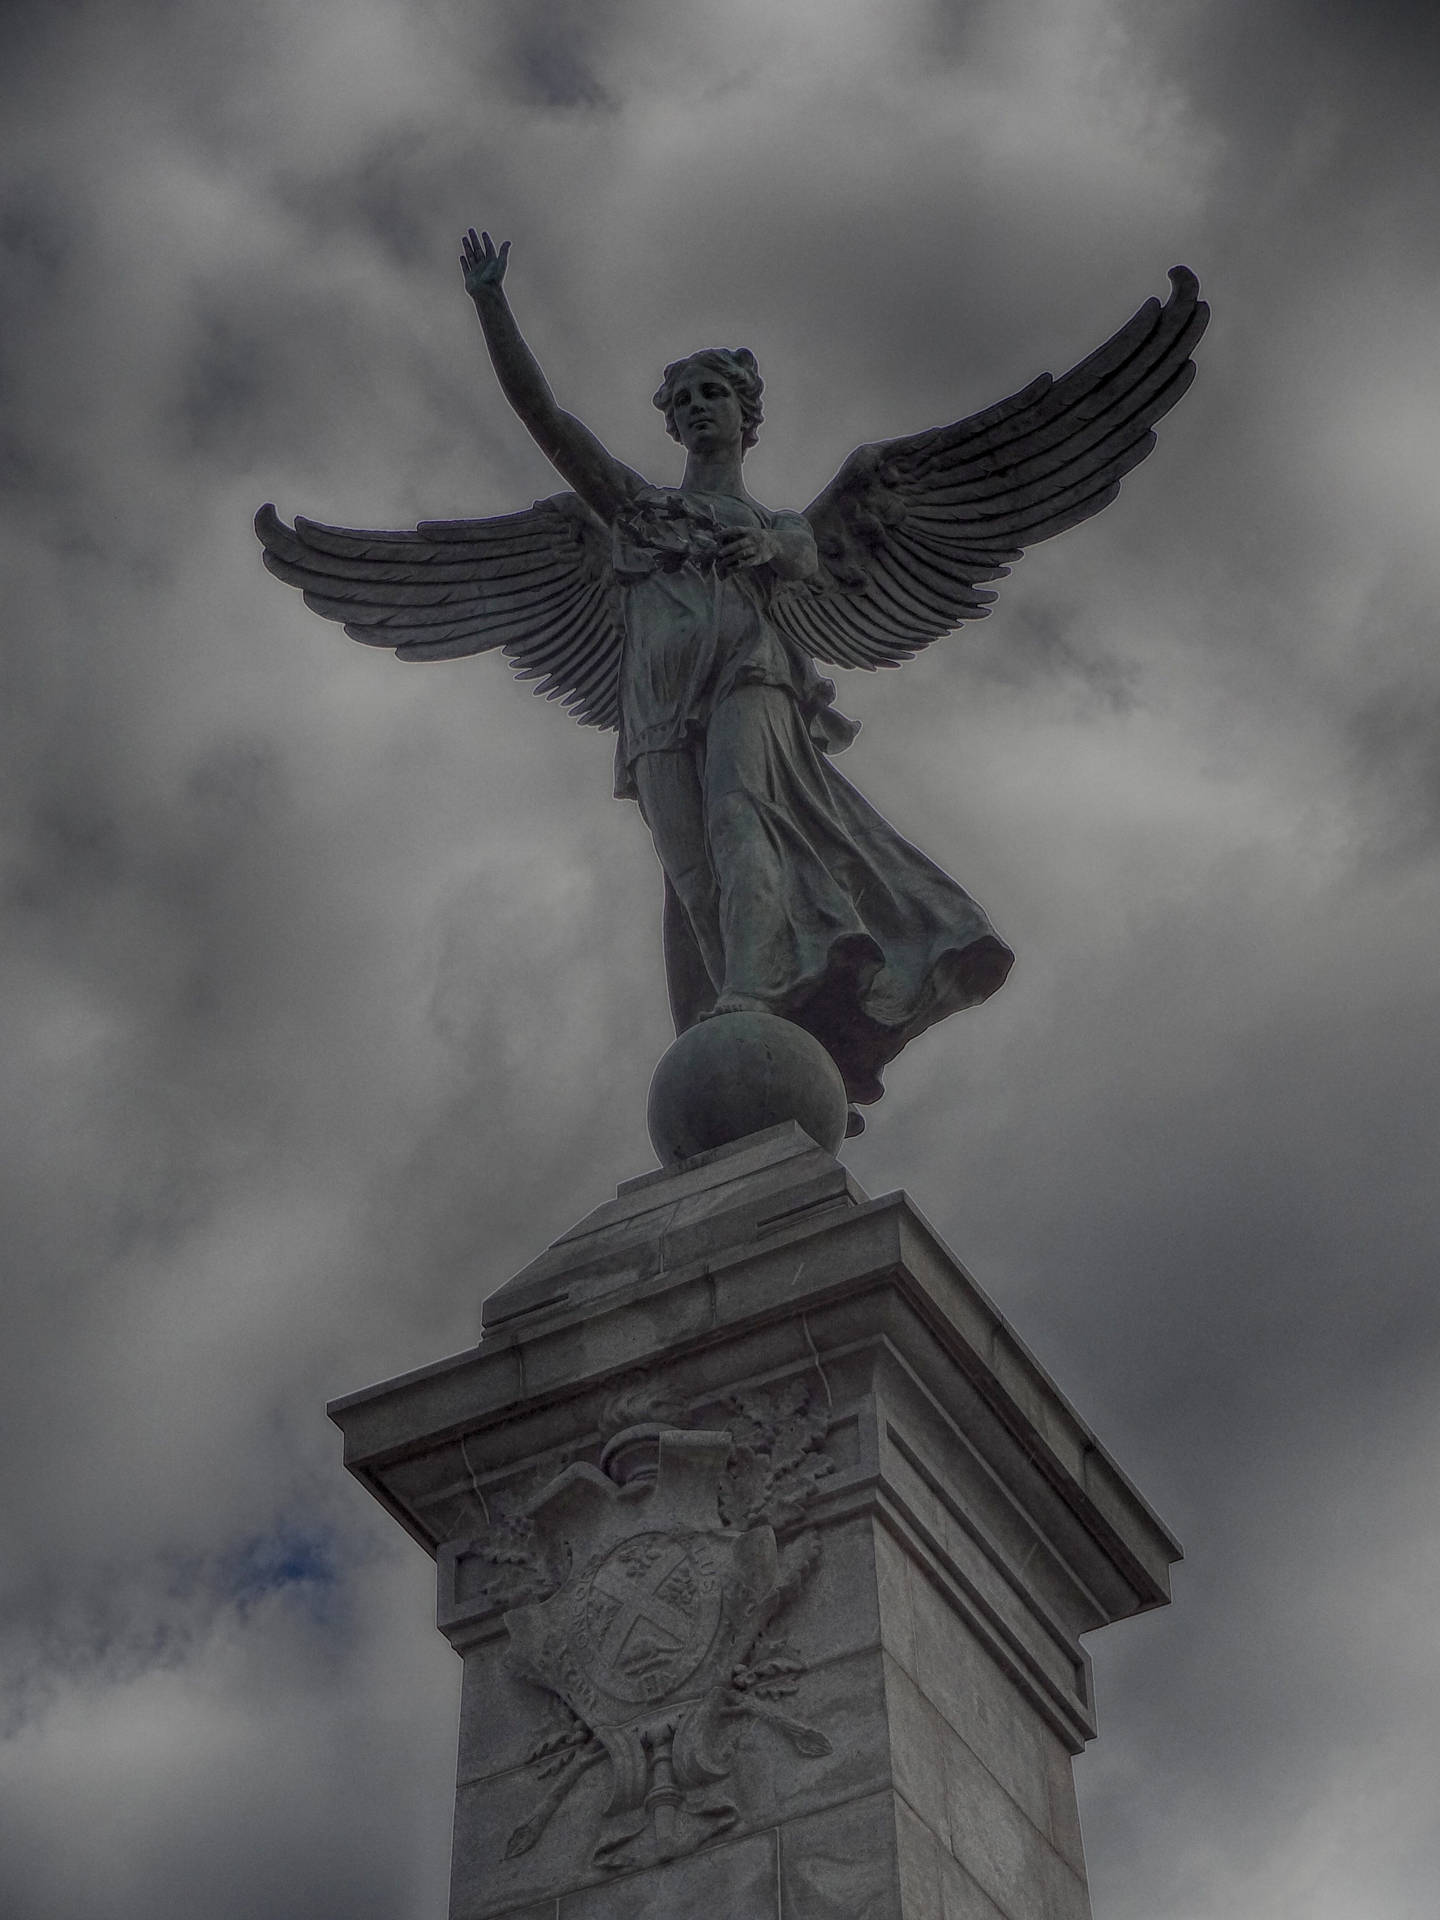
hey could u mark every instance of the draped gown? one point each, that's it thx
(827, 917)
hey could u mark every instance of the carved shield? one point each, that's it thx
(656, 1608)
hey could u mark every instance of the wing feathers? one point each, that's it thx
(535, 584)
(557, 662)
(382, 591)
(436, 607)
(326, 568)
(968, 559)
(485, 629)
(503, 526)
(1062, 449)
(912, 612)
(908, 527)
(818, 635)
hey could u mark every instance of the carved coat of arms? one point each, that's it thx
(653, 1643)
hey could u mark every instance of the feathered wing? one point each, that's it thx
(538, 585)
(908, 528)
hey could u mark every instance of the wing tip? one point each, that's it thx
(1185, 295)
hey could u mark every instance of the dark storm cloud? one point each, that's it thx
(1397, 747)
(330, 990)
(548, 51)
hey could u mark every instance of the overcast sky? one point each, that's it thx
(331, 989)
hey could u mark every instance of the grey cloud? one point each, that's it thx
(549, 52)
(330, 991)
(1396, 735)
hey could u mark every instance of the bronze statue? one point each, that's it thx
(689, 620)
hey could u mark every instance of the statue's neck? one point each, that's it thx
(718, 472)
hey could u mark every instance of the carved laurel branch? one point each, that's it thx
(778, 1460)
(585, 1753)
(506, 1541)
(559, 1741)
(769, 1666)
(779, 1433)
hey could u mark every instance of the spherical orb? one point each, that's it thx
(738, 1073)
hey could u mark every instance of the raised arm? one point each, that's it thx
(603, 482)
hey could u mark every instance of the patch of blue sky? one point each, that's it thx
(290, 1557)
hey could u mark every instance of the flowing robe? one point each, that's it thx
(827, 917)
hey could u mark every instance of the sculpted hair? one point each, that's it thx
(738, 366)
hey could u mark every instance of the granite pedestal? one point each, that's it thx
(767, 1549)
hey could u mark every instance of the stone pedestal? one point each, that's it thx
(767, 1549)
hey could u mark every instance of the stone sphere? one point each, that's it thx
(739, 1073)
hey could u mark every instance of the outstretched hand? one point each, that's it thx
(481, 263)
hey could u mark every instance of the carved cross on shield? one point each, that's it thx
(646, 1616)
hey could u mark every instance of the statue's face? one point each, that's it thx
(707, 410)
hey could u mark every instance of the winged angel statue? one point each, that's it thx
(689, 620)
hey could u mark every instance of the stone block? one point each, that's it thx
(484, 1879)
(737, 1879)
(1064, 1826)
(768, 1550)
(837, 1612)
(894, 1602)
(917, 1865)
(500, 1715)
(961, 1680)
(1001, 1848)
(917, 1750)
(981, 1568)
(842, 1864)
(961, 1896)
(844, 1701)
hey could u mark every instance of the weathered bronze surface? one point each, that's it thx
(689, 619)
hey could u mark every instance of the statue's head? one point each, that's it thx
(735, 367)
